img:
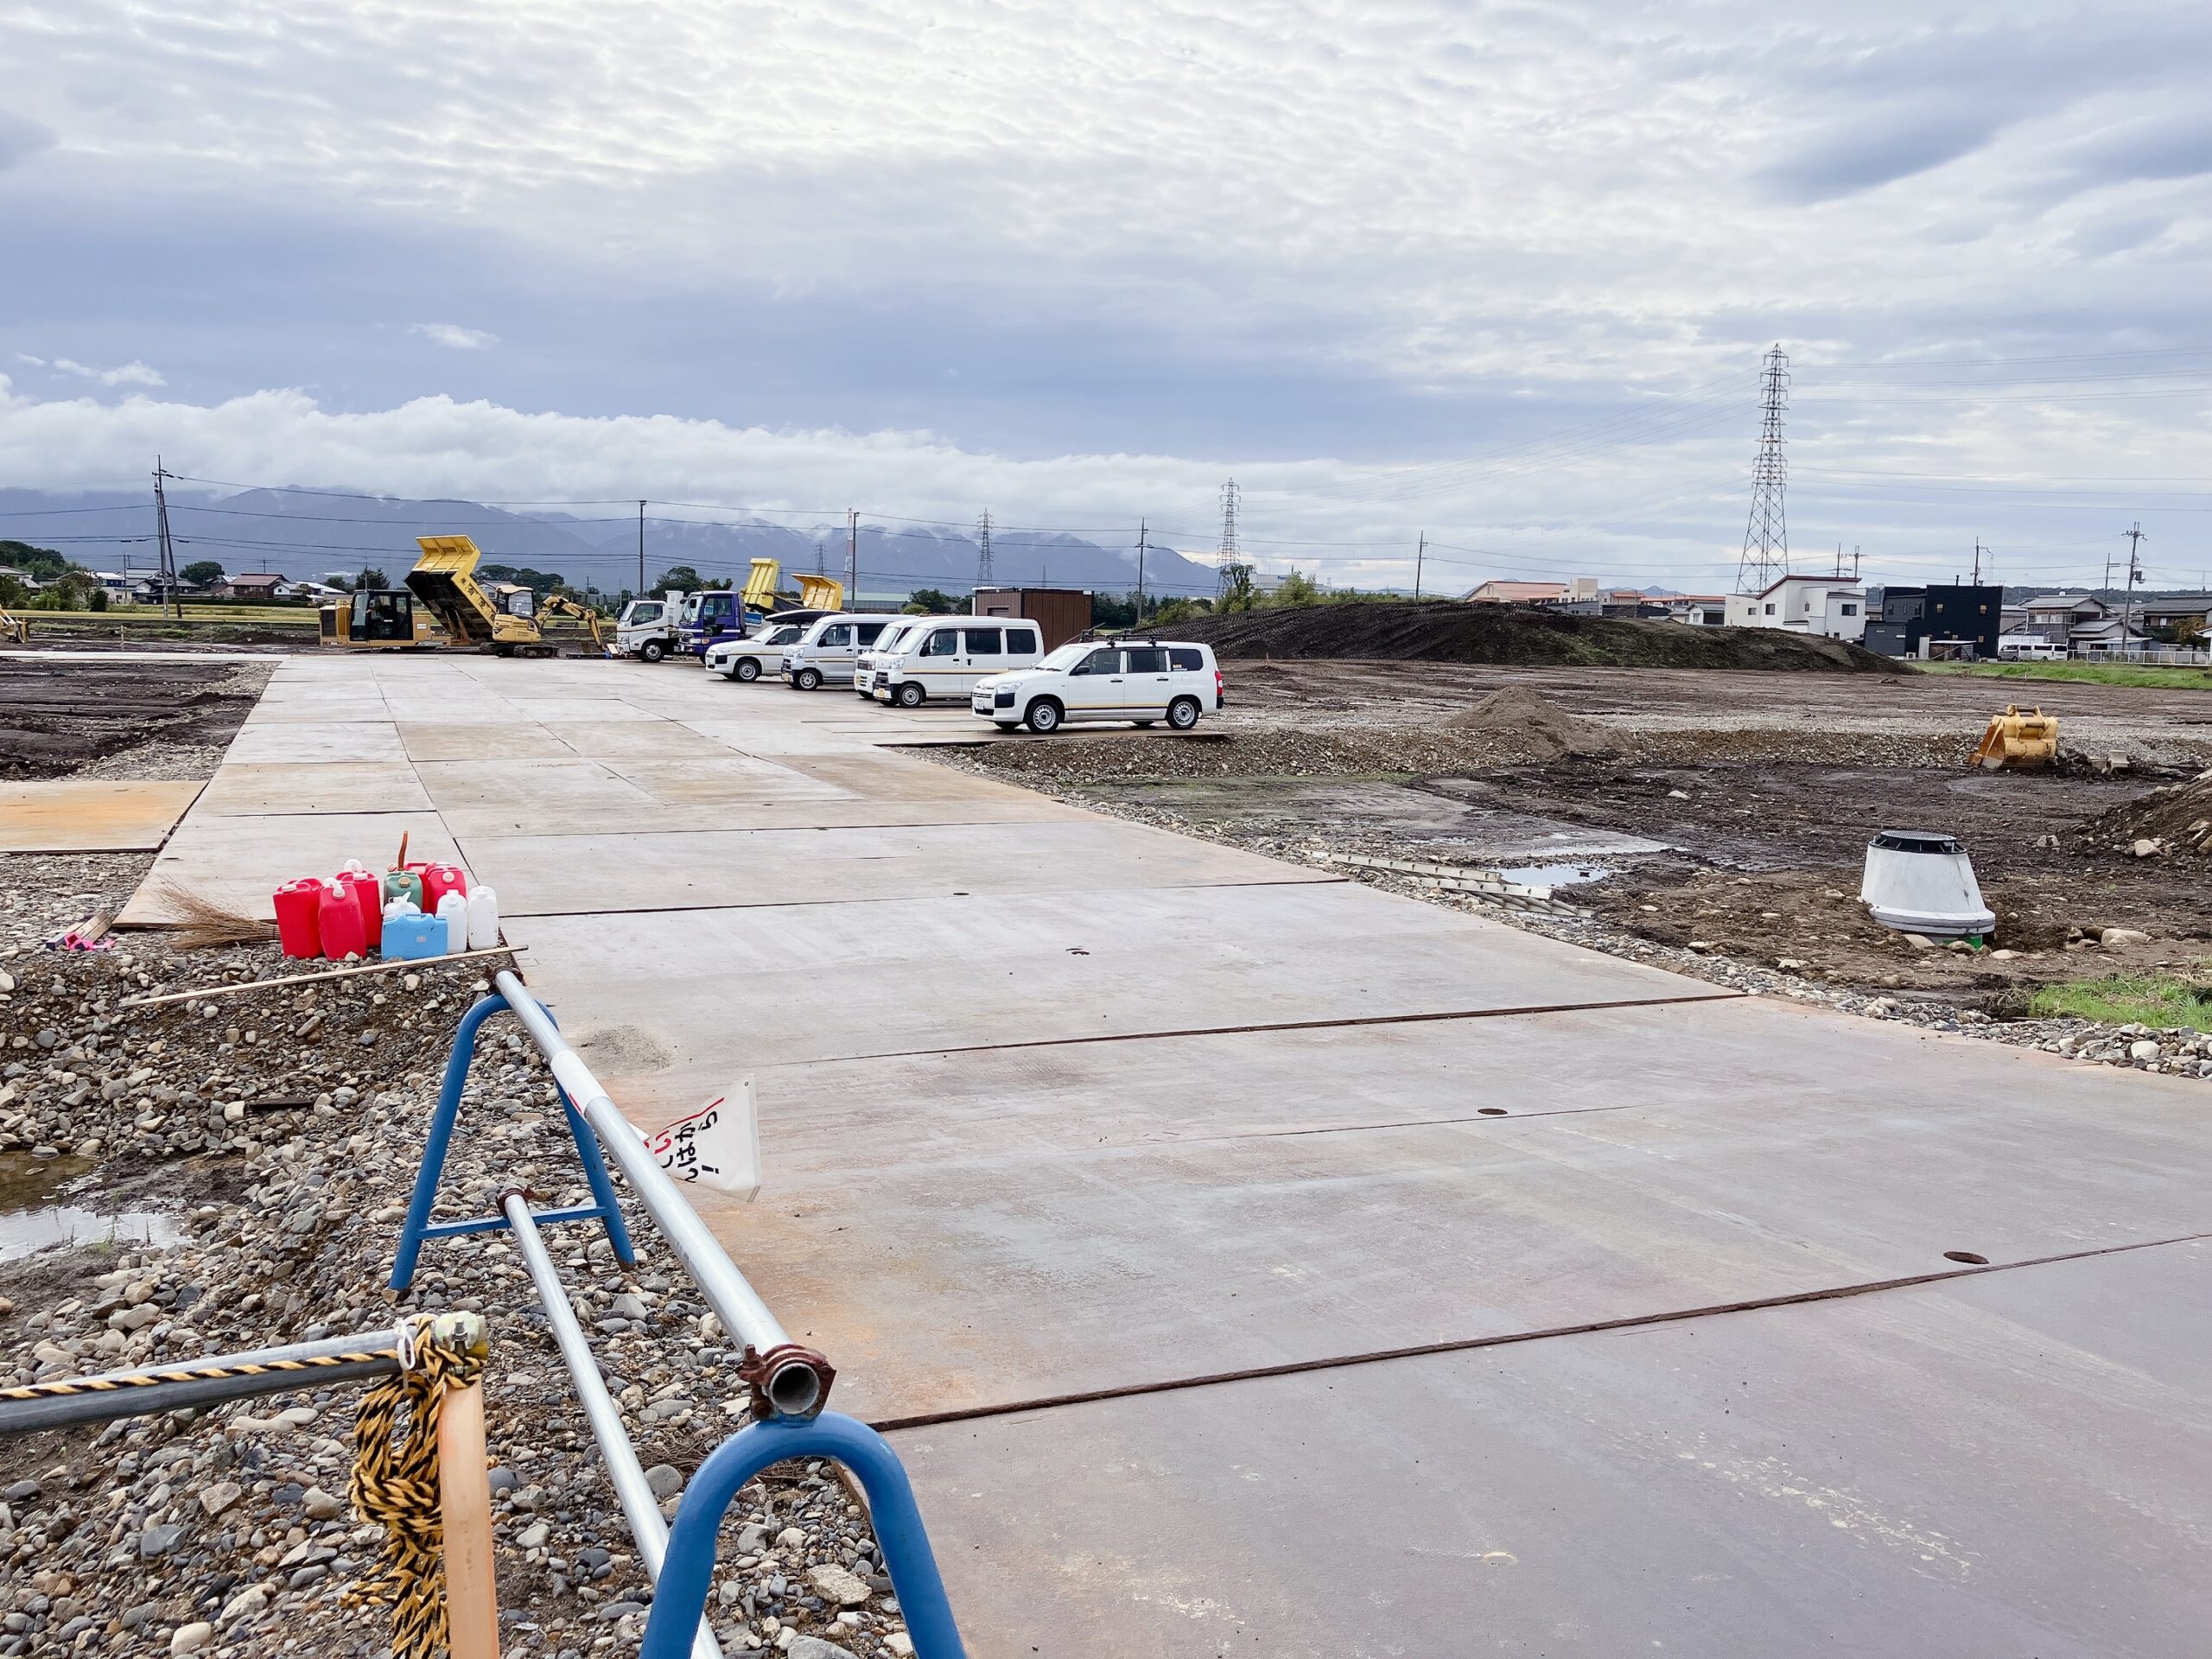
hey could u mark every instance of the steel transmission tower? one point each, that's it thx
(983, 578)
(1766, 537)
(1229, 557)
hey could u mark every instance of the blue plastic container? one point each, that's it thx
(410, 934)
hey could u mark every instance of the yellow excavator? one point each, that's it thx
(13, 628)
(2017, 741)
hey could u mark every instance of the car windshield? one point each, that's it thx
(1067, 656)
(641, 612)
(785, 635)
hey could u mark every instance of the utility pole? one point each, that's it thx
(1420, 552)
(852, 559)
(1142, 535)
(1855, 561)
(1977, 561)
(641, 549)
(1766, 534)
(167, 548)
(2134, 577)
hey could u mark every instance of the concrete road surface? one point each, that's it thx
(1254, 1262)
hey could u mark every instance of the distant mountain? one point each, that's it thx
(300, 534)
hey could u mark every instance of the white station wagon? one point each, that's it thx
(1142, 681)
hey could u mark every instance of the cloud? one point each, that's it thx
(133, 373)
(453, 336)
(1877, 147)
(21, 138)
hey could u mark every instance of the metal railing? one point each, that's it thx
(790, 1384)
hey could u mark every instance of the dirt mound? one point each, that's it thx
(1431, 632)
(2176, 818)
(1540, 726)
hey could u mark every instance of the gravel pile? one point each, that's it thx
(281, 1128)
(2174, 818)
(1543, 727)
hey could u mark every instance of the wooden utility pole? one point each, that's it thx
(1141, 535)
(641, 549)
(852, 559)
(1420, 553)
(166, 547)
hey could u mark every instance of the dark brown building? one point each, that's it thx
(1059, 613)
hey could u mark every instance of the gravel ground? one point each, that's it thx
(280, 1129)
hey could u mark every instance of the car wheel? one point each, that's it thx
(908, 695)
(808, 679)
(652, 650)
(1183, 713)
(747, 670)
(1044, 715)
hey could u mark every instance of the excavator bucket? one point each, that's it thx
(822, 592)
(760, 586)
(2017, 741)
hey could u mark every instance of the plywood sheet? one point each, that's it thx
(257, 789)
(238, 862)
(87, 814)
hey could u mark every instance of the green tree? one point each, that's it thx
(1181, 610)
(930, 602)
(1296, 589)
(370, 577)
(1236, 588)
(202, 571)
(682, 577)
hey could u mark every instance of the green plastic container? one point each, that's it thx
(404, 884)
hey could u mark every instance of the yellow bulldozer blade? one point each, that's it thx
(822, 592)
(2017, 742)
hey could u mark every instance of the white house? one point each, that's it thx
(1834, 606)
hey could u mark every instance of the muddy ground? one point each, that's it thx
(59, 716)
(1731, 815)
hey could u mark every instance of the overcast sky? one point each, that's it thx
(1500, 272)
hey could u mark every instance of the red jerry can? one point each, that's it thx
(339, 920)
(299, 906)
(367, 893)
(439, 880)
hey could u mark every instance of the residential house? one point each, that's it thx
(1833, 605)
(2182, 616)
(2056, 617)
(1700, 610)
(256, 586)
(2113, 636)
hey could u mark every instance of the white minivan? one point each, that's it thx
(1142, 681)
(827, 652)
(885, 646)
(942, 660)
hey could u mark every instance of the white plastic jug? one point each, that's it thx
(453, 910)
(400, 907)
(483, 918)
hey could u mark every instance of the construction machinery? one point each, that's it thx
(379, 619)
(562, 605)
(717, 615)
(500, 616)
(2017, 741)
(13, 628)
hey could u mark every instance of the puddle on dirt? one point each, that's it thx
(35, 1209)
(1557, 875)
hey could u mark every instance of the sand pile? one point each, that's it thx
(1545, 729)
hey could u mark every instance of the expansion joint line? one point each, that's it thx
(1466, 1344)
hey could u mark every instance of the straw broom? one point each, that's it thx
(202, 924)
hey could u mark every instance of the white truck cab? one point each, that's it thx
(886, 644)
(947, 655)
(744, 659)
(647, 627)
(828, 651)
(1143, 681)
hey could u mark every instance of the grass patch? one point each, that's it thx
(2156, 999)
(2142, 674)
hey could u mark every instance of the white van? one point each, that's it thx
(944, 658)
(744, 659)
(886, 644)
(828, 651)
(1140, 680)
(2031, 650)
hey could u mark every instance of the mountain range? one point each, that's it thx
(305, 533)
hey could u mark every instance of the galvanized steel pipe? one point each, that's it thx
(639, 1506)
(171, 1385)
(795, 1388)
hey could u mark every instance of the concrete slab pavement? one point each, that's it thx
(1056, 1104)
